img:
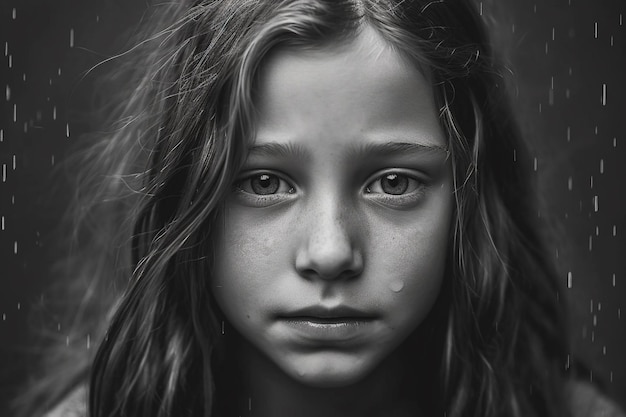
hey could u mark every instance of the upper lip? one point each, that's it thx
(322, 312)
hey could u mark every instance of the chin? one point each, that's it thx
(327, 370)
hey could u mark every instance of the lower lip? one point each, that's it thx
(329, 330)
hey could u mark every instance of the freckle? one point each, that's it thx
(248, 315)
(396, 286)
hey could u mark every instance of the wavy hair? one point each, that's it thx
(499, 332)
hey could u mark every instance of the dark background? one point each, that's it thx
(569, 61)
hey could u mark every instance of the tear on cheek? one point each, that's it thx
(396, 286)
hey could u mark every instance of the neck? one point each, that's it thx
(390, 390)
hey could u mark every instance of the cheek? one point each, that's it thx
(248, 256)
(411, 262)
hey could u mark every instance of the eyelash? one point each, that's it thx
(410, 189)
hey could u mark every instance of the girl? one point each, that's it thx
(318, 208)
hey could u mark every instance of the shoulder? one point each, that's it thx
(587, 401)
(74, 405)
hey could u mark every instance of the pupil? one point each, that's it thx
(394, 184)
(264, 184)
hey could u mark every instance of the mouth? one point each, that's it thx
(329, 315)
(328, 325)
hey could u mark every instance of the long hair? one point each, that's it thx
(185, 129)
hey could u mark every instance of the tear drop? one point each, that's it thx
(396, 286)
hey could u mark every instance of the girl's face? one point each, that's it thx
(334, 243)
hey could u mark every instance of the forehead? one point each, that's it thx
(355, 88)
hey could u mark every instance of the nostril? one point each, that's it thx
(337, 266)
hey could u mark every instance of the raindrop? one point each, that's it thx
(615, 142)
(595, 30)
(10, 61)
(570, 183)
(569, 132)
(590, 243)
(72, 38)
(614, 230)
(54, 113)
(591, 182)
(15, 247)
(553, 32)
(569, 280)
(8, 92)
(14, 14)
(88, 341)
(597, 231)
(2, 226)
(613, 275)
(535, 163)
(601, 166)
(595, 203)
(67, 130)
(6, 48)
(604, 94)
(14, 112)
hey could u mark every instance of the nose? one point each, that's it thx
(329, 250)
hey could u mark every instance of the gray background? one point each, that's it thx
(565, 55)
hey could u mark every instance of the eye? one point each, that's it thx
(396, 189)
(265, 184)
(393, 183)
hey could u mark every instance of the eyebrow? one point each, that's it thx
(300, 153)
(286, 150)
(396, 148)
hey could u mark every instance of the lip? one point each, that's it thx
(329, 313)
(320, 325)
